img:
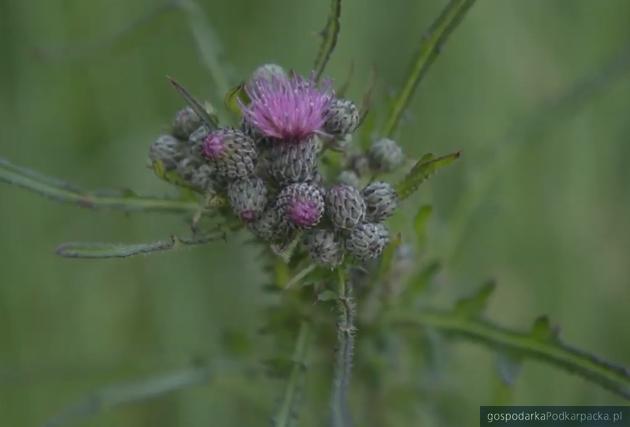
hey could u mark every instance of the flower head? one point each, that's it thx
(290, 108)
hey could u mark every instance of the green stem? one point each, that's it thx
(430, 47)
(66, 193)
(286, 412)
(341, 415)
(552, 351)
(330, 34)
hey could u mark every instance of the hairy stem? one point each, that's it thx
(430, 46)
(286, 412)
(341, 416)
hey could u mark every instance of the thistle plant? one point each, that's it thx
(290, 164)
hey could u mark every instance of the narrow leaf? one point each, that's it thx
(422, 170)
(120, 250)
(211, 121)
(60, 191)
(430, 46)
(330, 34)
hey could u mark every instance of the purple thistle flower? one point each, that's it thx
(290, 107)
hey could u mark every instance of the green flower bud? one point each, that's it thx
(381, 201)
(342, 117)
(349, 177)
(231, 152)
(167, 150)
(293, 162)
(186, 121)
(271, 226)
(367, 241)
(324, 247)
(248, 198)
(344, 206)
(385, 155)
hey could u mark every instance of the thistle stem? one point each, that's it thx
(341, 416)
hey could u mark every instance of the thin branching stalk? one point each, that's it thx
(341, 415)
(64, 192)
(125, 250)
(430, 47)
(287, 411)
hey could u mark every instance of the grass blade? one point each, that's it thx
(430, 47)
(60, 191)
(330, 34)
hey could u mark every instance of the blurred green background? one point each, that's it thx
(552, 226)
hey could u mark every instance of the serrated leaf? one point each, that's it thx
(64, 192)
(474, 305)
(522, 344)
(422, 170)
(430, 46)
(172, 177)
(329, 34)
(420, 223)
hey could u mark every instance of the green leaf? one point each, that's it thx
(420, 224)
(430, 46)
(422, 170)
(210, 120)
(524, 344)
(121, 250)
(327, 295)
(474, 305)
(233, 96)
(64, 192)
(330, 34)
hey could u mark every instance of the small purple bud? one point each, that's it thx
(303, 213)
(213, 146)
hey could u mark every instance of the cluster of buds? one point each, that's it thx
(269, 167)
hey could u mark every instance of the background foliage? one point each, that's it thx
(538, 201)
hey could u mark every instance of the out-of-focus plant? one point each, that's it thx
(285, 163)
